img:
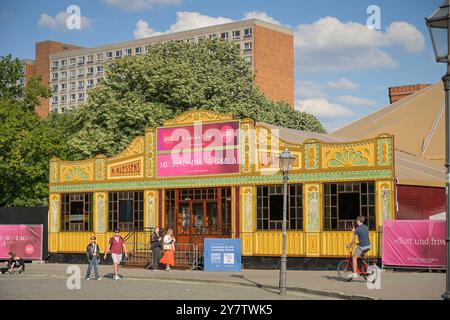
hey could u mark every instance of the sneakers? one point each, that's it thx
(155, 270)
(99, 278)
(167, 268)
(87, 278)
(354, 276)
(116, 277)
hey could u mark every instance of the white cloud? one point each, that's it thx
(310, 90)
(193, 20)
(143, 30)
(322, 108)
(355, 101)
(329, 44)
(261, 15)
(135, 5)
(342, 83)
(58, 23)
(407, 36)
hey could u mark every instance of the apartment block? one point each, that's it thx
(73, 71)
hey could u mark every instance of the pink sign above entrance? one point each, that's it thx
(200, 149)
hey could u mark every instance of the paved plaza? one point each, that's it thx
(49, 281)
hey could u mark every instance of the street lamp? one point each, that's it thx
(286, 160)
(439, 26)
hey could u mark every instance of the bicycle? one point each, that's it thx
(345, 267)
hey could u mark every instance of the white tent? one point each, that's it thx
(438, 217)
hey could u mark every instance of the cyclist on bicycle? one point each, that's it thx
(362, 235)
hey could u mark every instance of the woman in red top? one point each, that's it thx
(116, 246)
(169, 250)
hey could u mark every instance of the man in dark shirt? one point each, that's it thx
(156, 248)
(362, 236)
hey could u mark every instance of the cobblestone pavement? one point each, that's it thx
(49, 287)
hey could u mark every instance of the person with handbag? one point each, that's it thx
(157, 247)
(168, 258)
(93, 256)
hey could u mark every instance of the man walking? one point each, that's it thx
(93, 256)
(117, 247)
(156, 248)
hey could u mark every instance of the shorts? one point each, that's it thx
(360, 250)
(117, 258)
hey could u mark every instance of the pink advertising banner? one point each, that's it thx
(24, 240)
(200, 149)
(414, 244)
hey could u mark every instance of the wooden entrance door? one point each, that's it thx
(199, 214)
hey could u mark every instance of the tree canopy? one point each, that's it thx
(26, 142)
(142, 91)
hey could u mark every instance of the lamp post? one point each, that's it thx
(286, 160)
(439, 25)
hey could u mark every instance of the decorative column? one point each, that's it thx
(248, 214)
(100, 217)
(54, 221)
(151, 209)
(312, 217)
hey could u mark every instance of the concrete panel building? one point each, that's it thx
(72, 71)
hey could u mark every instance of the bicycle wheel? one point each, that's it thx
(345, 270)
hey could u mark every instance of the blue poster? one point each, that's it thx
(222, 255)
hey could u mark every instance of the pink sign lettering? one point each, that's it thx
(24, 240)
(414, 244)
(200, 149)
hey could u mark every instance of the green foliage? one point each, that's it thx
(26, 142)
(173, 77)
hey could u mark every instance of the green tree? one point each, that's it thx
(26, 142)
(172, 78)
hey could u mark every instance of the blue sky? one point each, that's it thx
(343, 69)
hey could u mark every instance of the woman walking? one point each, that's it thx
(168, 258)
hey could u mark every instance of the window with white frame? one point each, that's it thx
(90, 83)
(128, 52)
(147, 48)
(63, 99)
(54, 100)
(247, 46)
(63, 63)
(55, 64)
(224, 35)
(72, 97)
(190, 40)
(99, 69)
(200, 39)
(81, 84)
(213, 36)
(90, 71)
(80, 96)
(138, 50)
(109, 55)
(248, 32)
(80, 60)
(90, 58)
(63, 75)
(63, 87)
(73, 73)
(54, 88)
(72, 61)
(99, 56)
(236, 34)
(118, 53)
(80, 72)
(72, 85)
(55, 76)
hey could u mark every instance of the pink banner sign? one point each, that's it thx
(414, 244)
(200, 149)
(24, 240)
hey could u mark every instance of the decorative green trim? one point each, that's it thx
(224, 181)
(348, 158)
(314, 146)
(388, 143)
